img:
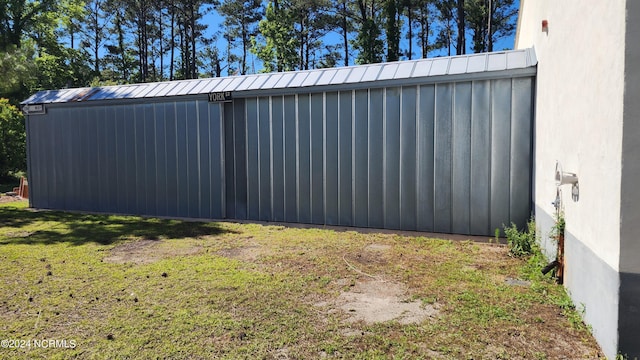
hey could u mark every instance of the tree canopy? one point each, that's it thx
(46, 44)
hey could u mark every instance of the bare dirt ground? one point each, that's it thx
(147, 251)
(250, 251)
(377, 301)
(371, 300)
(7, 198)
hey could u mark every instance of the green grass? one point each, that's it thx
(227, 290)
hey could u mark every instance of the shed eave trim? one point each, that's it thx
(470, 67)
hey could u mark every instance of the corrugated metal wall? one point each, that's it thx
(153, 159)
(452, 157)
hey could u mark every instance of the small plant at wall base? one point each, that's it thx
(521, 243)
(558, 228)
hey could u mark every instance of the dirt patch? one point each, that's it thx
(377, 247)
(281, 354)
(517, 282)
(496, 248)
(7, 198)
(372, 254)
(147, 251)
(375, 301)
(246, 253)
(19, 234)
(245, 249)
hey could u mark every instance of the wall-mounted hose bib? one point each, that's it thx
(567, 178)
(562, 178)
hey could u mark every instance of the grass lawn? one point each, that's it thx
(129, 287)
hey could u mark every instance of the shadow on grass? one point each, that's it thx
(51, 227)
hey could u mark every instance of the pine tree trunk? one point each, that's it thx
(172, 42)
(245, 40)
(461, 40)
(160, 37)
(410, 29)
(194, 70)
(345, 33)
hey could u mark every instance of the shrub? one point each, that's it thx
(12, 139)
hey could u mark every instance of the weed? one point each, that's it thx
(571, 312)
(558, 227)
(521, 243)
(540, 356)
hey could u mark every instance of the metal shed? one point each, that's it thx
(441, 144)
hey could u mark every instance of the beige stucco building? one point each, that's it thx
(588, 119)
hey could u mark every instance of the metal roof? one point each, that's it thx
(392, 71)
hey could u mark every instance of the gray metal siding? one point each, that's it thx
(391, 158)
(150, 159)
(442, 158)
(445, 157)
(277, 160)
(501, 152)
(171, 167)
(216, 163)
(264, 159)
(345, 204)
(375, 154)
(290, 162)
(111, 164)
(408, 179)
(304, 158)
(331, 158)
(479, 209)
(461, 153)
(521, 147)
(425, 127)
(453, 157)
(317, 159)
(360, 158)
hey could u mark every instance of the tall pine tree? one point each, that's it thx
(276, 46)
(368, 41)
(240, 22)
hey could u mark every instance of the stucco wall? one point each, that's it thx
(579, 122)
